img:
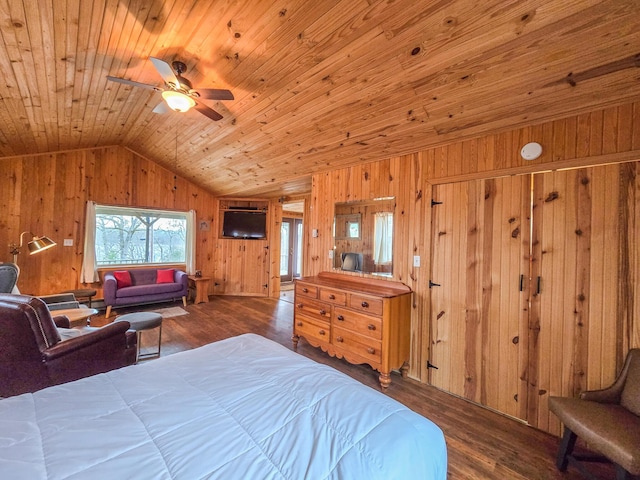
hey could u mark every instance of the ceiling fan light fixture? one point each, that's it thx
(177, 101)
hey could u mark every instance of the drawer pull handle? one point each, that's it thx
(300, 305)
(323, 312)
(339, 339)
(322, 332)
(371, 326)
(305, 290)
(365, 305)
(332, 297)
(299, 324)
(341, 318)
(371, 351)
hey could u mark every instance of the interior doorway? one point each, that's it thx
(291, 241)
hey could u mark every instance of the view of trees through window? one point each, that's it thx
(135, 238)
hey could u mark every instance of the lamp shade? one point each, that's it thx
(178, 101)
(37, 244)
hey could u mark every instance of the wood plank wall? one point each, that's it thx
(47, 194)
(603, 136)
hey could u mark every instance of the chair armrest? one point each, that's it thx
(109, 288)
(86, 341)
(607, 395)
(62, 321)
(611, 394)
(183, 279)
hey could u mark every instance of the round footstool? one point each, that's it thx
(143, 321)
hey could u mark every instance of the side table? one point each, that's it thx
(201, 285)
(78, 317)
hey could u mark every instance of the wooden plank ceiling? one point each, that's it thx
(318, 84)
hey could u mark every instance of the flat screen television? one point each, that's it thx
(243, 224)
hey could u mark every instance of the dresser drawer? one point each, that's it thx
(363, 303)
(313, 308)
(361, 323)
(333, 296)
(306, 290)
(311, 328)
(363, 346)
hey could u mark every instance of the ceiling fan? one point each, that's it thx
(179, 94)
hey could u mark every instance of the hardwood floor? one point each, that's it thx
(481, 444)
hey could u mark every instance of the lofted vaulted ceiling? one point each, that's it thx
(318, 84)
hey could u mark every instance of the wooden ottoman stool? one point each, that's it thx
(143, 321)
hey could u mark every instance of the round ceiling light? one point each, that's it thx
(531, 151)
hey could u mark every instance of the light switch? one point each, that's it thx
(68, 242)
(416, 260)
(331, 254)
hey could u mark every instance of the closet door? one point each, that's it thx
(586, 256)
(480, 261)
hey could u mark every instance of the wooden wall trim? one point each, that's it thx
(593, 161)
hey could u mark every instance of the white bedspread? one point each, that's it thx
(242, 408)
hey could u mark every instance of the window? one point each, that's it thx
(383, 238)
(137, 236)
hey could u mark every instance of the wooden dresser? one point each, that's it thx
(363, 320)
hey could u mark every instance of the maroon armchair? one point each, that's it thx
(33, 356)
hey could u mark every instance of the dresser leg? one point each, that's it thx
(385, 380)
(294, 339)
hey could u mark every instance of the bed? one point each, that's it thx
(244, 407)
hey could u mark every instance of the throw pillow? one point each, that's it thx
(123, 278)
(165, 276)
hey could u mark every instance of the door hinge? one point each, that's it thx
(434, 203)
(431, 365)
(432, 284)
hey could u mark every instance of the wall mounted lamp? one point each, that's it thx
(35, 245)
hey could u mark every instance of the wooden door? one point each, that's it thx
(255, 268)
(230, 265)
(479, 314)
(586, 256)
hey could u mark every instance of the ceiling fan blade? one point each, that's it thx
(165, 71)
(132, 83)
(215, 94)
(208, 112)
(161, 108)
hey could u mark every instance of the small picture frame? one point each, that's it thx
(204, 225)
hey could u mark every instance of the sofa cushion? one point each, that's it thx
(165, 276)
(123, 278)
(154, 289)
(143, 276)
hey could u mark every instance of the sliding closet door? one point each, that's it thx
(586, 257)
(480, 234)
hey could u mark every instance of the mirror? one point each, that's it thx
(363, 236)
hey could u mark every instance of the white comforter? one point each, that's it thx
(242, 408)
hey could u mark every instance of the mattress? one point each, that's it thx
(241, 408)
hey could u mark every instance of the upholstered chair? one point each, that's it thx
(607, 420)
(8, 277)
(33, 355)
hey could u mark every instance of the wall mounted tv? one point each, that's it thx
(243, 224)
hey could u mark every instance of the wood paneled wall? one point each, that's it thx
(604, 136)
(46, 194)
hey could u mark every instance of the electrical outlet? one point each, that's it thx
(416, 260)
(68, 242)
